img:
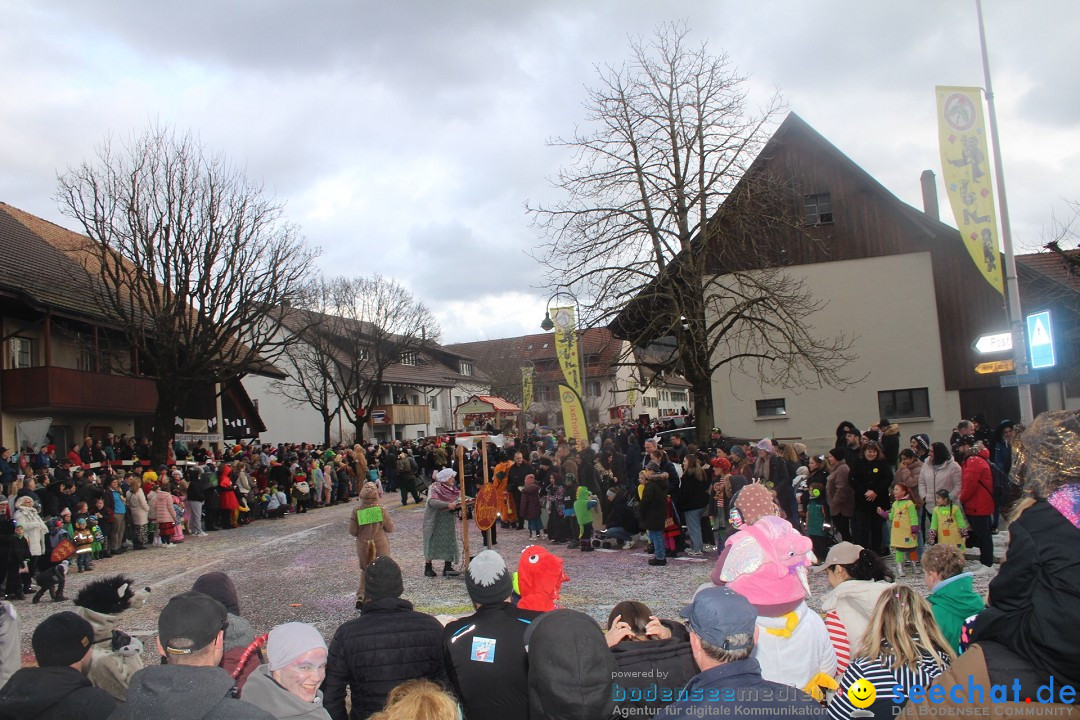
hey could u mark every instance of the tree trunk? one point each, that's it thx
(327, 422)
(164, 416)
(704, 417)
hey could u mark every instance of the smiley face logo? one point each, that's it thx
(862, 693)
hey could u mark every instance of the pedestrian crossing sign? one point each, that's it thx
(1040, 340)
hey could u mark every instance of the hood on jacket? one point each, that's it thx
(264, 692)
(219, 586)
(957, 595)
(854, 601)
(179, 692)
(570, 668)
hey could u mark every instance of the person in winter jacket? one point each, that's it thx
(388, 644)
(529, 505)
(858, 578)
(239, 635)
(10, 641)
(839, 494)
(652, 509)
(952, 596)
(58, 688)
(977, 497)
(34, 528)
(939, 472)
(722, 638)
(369, 524)
(584, 503)
(870, 478)
(165, 513)
(190, 684)
(890, 441)
(647, 650)
(139, 508)
(485, 652)
(570, 668)
(693, 500)
(287, 686)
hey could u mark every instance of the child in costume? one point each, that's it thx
(369, 525)
(903, 528)
(530, 507)
(540, 577)
(583, 507)
(99, 537)
(84, 545)
(816, 516)
(117, 655)
(948, 525)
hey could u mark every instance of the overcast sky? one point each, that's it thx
(407, 136)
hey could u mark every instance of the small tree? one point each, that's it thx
(638, 235)
(191, 256)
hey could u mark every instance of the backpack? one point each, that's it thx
(1001, 482)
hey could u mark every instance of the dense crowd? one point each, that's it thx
(861, 512)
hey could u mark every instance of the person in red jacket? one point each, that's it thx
(977, 497)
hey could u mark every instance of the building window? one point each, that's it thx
(592, 415)
(22, 352)
(776, 407)
(592, 389)
(466, 368)
(433, 401)
(817, 209)
(363, 354)
(908, 403)
(409, 358)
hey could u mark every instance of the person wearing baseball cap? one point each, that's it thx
(723, 632)
(58, 687)
(191, 637)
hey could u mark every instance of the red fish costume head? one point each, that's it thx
(540, 577)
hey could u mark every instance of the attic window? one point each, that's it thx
(409, 358)
(817, 209)
(466, 368)
(530, 347)
(544, 346)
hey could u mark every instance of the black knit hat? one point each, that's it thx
(382, 579)
(62, 639)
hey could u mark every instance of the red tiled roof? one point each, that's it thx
(1054, 267)
(500, 404)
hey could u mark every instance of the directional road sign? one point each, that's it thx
(995, 366)
(1017, 380)
(993, 343)
(1040, 339)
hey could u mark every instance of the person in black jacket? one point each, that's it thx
(870, 479)
(652, 510)
(485, 652)
(58, 688)
(388, 644)
(570, 668)
(652, 654)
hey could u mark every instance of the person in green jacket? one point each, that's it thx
(952, 597)
(583, 506)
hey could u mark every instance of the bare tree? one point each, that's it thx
(638, 236)
(191, 256)
(351, 331)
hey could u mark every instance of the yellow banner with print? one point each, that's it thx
(574, 421)
(631, 395)
(566, 347)
(965, 167)
(526, 388)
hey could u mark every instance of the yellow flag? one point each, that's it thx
(526, 388)
(966, 169)
(566, 347)
(631, 395)
(574, 421)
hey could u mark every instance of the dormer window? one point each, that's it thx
(466, 368)
(409, 358)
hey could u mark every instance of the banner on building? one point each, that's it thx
(575, 424)
(566, 347)
(526, 388)
(965, 166)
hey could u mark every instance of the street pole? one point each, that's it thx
(1012, 286)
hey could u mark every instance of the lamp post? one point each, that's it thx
(567, 322)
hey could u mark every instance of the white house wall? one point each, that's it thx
(889, 303)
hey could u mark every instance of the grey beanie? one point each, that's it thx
(487, 580)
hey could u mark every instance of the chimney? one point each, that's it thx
(929, 194)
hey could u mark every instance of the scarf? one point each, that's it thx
(444, 491)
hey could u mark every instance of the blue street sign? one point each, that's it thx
(1040, 339)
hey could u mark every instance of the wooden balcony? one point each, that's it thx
(48, 389)
(400, 415)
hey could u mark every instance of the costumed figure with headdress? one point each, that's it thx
(540, 577)
(765, 561)
(369, 524)
(440, 523)
(117, 655)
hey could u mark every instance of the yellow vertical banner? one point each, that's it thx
(631, 395)
(526, 388)
(965, 165)
(566, 347)
(574, 421)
